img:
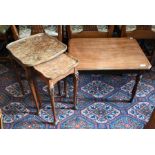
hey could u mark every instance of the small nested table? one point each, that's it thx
(55, 70)
(110, 54)
(35, 50)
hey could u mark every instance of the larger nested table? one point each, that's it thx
(35, 50)
(114, 54)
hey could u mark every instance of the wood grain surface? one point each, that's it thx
(108, 54)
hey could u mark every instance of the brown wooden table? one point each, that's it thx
(35, 50)
(115, 54)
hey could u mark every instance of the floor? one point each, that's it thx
(99, 102)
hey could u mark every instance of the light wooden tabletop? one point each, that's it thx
(108, 54)
(36, 49)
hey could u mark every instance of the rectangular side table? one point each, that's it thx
(110, 54)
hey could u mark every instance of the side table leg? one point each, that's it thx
(135, 86)
(151, 123)
(37, 92)
(76, 78)
(1, 119)
(51, 93)
(32, 87)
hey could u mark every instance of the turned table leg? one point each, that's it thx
(75, 80)
(138, 76)
(151, 123)
(37, 92)
(1, 119)
(51, 93)
(32, 87)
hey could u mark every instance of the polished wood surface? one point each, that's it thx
(108, 54)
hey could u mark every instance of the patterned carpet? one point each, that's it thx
(99, 102)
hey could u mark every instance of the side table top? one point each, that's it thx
(108, 54)
(57, 67)
(36, 49)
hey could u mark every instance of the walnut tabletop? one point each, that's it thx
(108, 54)
(36, 49)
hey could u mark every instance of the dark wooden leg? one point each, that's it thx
(1, 121)
(17, 76)
(151, 123)
(37, 92)
(32, 87)
(59, 88)
(65, 88)
(76, 78)
(135, 86)
(51, 93)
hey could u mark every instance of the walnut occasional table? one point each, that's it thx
(110, 54)
(35, 50)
